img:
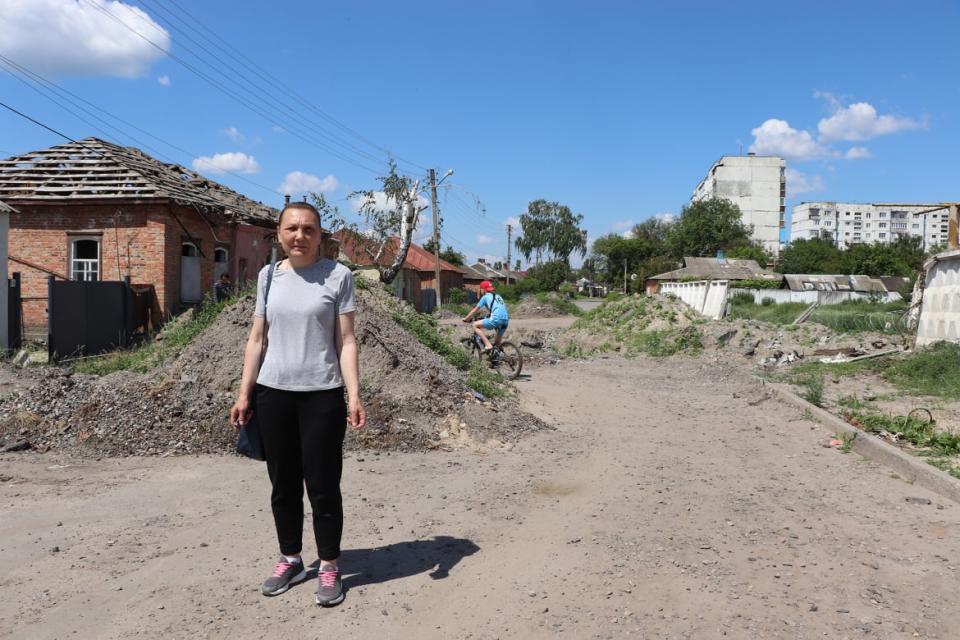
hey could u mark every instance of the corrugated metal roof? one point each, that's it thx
(355, 249)
(830, 282)
(719, 269)
(93, 169)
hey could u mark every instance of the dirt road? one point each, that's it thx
(671, 502)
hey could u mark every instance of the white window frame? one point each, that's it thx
(84, 269)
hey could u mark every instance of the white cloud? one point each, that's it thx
(860, 121)
(483, 238)
(66, 37)
(666, 218)
(233, 133)
(622, 225)
(799, 182)
(164, 80)
(298, 182)
(278, 129)
(777, 138)
(234, 162)
(857, 153)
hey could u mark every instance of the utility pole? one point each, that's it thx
(509, 234)
(624, 276)
(436, 231)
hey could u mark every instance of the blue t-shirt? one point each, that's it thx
(495, 304)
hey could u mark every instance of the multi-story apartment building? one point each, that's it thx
(756, 184)
(849, 223)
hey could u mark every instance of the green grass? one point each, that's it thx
(486, 381)
(947, 465)
(847, 317)
(929, 371)
(459, 309)
(851, 402)
(919, 432)
(812, 384)
(152, 354)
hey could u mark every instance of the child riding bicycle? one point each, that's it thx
(497, 319)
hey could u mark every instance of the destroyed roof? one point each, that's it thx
(486, 270)
(469, 273)
(93, 169)
(5, 208)
(719, 269)
(824, 282)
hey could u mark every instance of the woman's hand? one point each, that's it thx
(356, 414)
(240, 412)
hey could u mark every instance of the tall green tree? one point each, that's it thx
(552, 230)
(705, 227)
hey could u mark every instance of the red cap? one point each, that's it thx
(486, 285)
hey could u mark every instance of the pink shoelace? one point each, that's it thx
(328, 578)
(281, 568)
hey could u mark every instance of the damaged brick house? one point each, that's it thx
(92, 210)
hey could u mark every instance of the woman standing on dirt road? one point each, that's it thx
(311, 356)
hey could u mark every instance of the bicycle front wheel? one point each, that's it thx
(511, 360)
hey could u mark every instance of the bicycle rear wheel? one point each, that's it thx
(511, 360)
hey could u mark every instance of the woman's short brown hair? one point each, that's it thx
(300, 205)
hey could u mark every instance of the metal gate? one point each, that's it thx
(87, 318)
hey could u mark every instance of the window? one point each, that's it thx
(868, 225)
(883, 225)
(85, 259)
(883, 235)
(882, 214)
(189, 249)
(916, 226)
(869, 214)
(220, 254)
(828, 223)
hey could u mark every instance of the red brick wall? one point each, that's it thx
(146, 237)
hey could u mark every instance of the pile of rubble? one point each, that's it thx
(544, 306)
(414, 399)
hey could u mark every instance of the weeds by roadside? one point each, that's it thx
(812, 385)
(426, 330)
(930, 371)
(175, 336)
(849, 317)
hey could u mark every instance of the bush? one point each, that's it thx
(766, 302)
(456, 296)
(742, 297)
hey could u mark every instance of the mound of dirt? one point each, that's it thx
(414, 398)
(532, 307)
(663, 325)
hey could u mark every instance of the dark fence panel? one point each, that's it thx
(14, 313)
(87, 318)
(428, 300)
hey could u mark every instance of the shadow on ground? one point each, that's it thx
(438, 555)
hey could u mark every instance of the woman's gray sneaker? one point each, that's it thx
(330, 588)
(285, 575)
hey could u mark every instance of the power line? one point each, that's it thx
(260, 72)
(261, 94)
(52, 86)
(231, 94)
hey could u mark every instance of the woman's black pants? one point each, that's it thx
(303, 441)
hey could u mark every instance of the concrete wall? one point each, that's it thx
(755, 184)
(940, 313)
(781, 296)
(706, 297)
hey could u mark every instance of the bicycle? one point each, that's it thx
(506, 354)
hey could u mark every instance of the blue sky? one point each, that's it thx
(616, 109)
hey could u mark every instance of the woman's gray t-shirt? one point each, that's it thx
(302, 311)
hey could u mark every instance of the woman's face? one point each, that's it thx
(299, 233)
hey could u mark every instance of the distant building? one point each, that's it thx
(849, 223)
(729, 269)
(756, 184)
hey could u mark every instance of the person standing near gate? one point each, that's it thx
(311, 358)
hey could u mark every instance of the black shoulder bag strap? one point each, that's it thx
(266, 296)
